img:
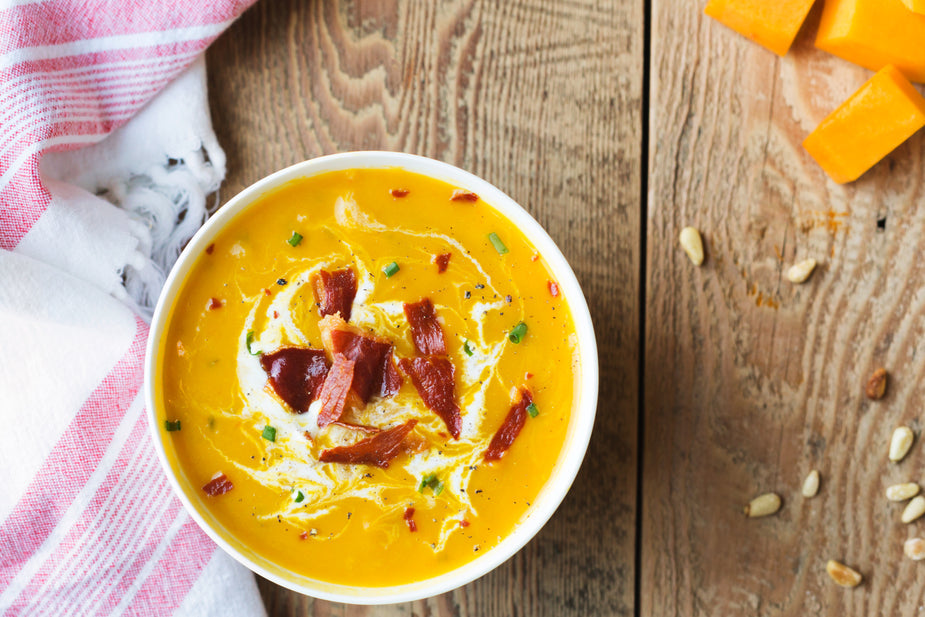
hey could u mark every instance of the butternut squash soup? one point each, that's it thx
(367, 377)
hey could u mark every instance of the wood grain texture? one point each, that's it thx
(750, 381)
(541, 98)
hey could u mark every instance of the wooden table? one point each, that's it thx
(616, 124)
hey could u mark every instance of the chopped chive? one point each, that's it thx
(518, 333)
(294, 239)
(532, 410)
(390, 270)
(467, 348)
(438, 488)
(427, 481)
(299, 497)
(269, 433)
(171, 426)
(250, 341)
(497, 243)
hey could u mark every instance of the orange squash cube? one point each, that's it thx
(915, 5)
(875, 33)
(772, 24)
(882, 114)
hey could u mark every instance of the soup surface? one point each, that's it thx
(368, 376)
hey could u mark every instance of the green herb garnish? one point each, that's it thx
(269, 433)
(390, 270)
(518, 333)
(467, 348)
(294, 239)
(299, 497)
(430, 480)
(532, 410)
(171, 426)
(497, 243)
(250, 341)
(427, 481)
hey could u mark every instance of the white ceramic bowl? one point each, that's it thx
(579, 430)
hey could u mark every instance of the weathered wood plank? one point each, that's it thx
(541, 98)
(750, 382)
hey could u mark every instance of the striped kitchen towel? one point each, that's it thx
(107, 161)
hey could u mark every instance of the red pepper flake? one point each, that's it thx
(377, 450)
(426, 331)
(303, 535)
(409, 519)
(443, 261)
(463, 195)
(399, 193)
(296, 375)
(553, 288)
(214, 303)
(528, 375)
(434, 379)
(275, 314)
(334, 391)
(510, 428)
(335, 291)
(535, 257)
(210, 249)
(218, 485)
(267, 292)
(463, 523)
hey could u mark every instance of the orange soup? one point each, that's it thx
(367, 377)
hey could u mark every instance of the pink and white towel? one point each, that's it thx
(107, 159)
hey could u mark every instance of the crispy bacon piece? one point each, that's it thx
(553, 288)
(409, 519)
(463, 195)
(391, 378)
(374, 372)
(463, 523)
(377, 450)
(443, 262)
(510, 428)
(372, 357)
(425, 329)
(334, 392)
(218, 485)
(296, 374)
(399, 193)
(435, 383)
(335, 291)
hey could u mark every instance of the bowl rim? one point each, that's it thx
(579, 430)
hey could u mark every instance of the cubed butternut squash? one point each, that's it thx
(773, 24)
(882, 114)
(875, 33)
(917, 6)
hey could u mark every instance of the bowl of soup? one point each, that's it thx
(371, 377)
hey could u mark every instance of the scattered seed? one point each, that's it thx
(876, 385)
(914, 548)
(800, 271)
(900, 443)
(915, 509)
(902, 492)
(692, 244)
(842, 574)
(763, 505)
(811, 484)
